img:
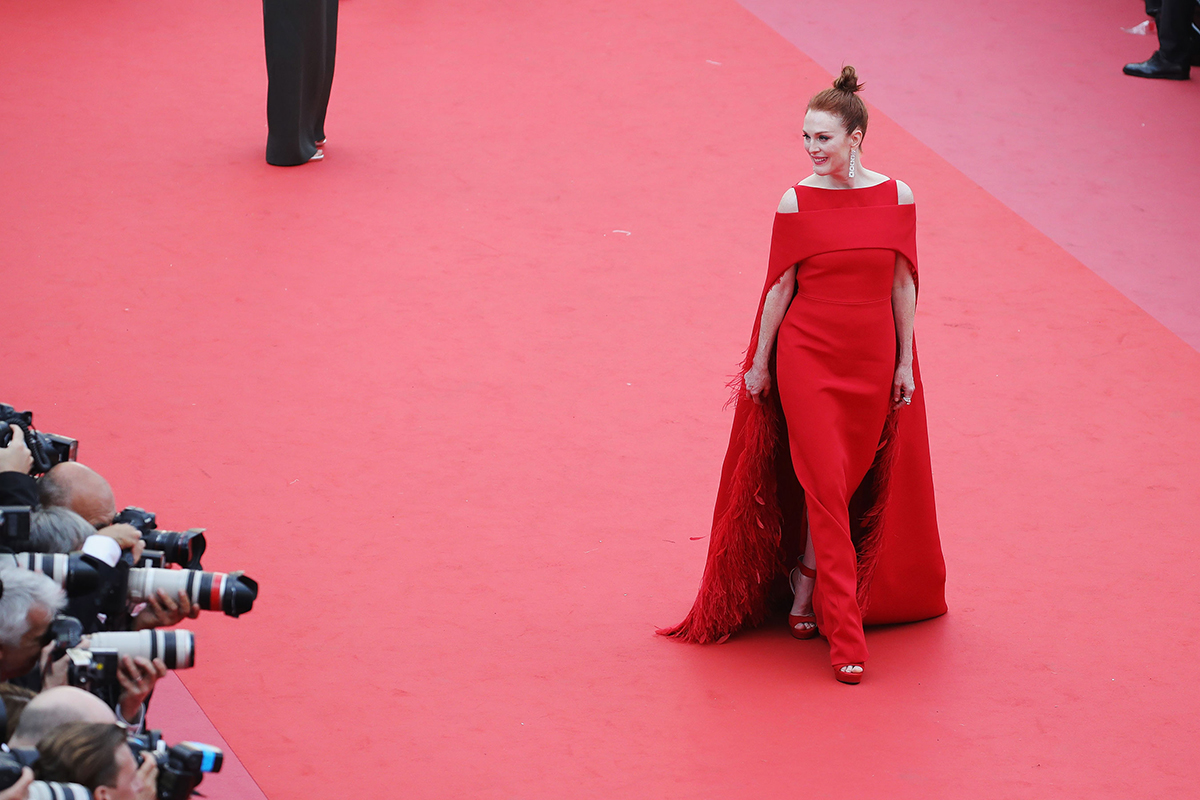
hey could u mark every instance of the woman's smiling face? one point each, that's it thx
(827, 143)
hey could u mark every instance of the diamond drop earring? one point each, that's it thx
(851, 163)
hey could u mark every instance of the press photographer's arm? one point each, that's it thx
(137, 677)
(163, 611)
(15, 457)
(17, 488)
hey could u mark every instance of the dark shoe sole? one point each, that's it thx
(1159, 76)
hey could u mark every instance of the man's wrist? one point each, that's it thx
(138, 716)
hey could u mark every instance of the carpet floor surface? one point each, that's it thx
(454, 398)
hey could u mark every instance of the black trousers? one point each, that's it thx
(1176, 39)
(300, 37)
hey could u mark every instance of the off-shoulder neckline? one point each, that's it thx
(851, 189)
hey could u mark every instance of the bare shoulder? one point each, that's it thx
(904, 195)
(789, 204)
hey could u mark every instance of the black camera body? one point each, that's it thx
(10, 769)
(181, 767)
(164, 547)
(66, 633)
(47, 449)
(105, 607)
(14, 527)
(95, 671)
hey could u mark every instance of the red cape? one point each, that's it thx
(760, 504)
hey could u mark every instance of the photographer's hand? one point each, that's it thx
(137, 677)
(126, 535)
(162, 611)
(53, 674)
(147, 777)
(16, 456)
(20, 789)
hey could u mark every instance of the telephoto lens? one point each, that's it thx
(212, 591)
(178, 547)
(10, 773)
(53, 790)
(177, 649)
(72, 572)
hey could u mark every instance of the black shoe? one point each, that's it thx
(1156, 67)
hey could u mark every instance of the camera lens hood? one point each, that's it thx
(240, 594)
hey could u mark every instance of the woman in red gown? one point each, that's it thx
(829, 456)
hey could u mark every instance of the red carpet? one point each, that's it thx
(175, 713)
(453, 397)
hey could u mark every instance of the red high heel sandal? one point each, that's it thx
(795, 619)
(848, 677)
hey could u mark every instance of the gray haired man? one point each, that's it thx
(27, 607)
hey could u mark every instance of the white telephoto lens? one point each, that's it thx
(52, 790)
(53, 565)
(177, 649)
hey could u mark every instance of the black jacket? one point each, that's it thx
(18, 489)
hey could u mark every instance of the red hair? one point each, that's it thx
(843, 101)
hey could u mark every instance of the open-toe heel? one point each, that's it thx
(797, 619)
(847, 677)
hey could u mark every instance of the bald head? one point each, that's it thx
(55, 707)
(74, 486)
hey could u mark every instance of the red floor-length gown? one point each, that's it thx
(827, 443)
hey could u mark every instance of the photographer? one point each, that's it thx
(97, 756)
(55, 707)
(57, 530)
(16, 487)
(136, 677)
(15, 699)
(93, 667)
(28, 603)
(46, 712)
(83, 490)
(73, 486)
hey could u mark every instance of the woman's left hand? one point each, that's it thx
(903, 386)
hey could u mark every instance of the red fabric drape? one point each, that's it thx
(901, 570)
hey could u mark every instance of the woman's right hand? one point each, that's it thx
(758, 383)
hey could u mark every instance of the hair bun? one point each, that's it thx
(848, 81)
